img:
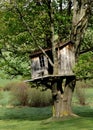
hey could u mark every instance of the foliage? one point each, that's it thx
(87, 43)
(22, 94)
(84, 66)
(5, 98)
(83, 93)
(24, 25)
(37, 98)
(9, 86)
(80, 92)
(31, 24)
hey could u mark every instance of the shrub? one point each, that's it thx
(37, 98)
(81, 93)
(9, 86)
(20, 93)
(5, 98)
(24, 95)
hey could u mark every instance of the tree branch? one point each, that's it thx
(87, 50)
(29, 30)
(84, 78)
(79, 23)
(46, 56)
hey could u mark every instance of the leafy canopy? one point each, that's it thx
(26, 24)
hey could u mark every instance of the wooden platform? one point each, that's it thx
(48, 78)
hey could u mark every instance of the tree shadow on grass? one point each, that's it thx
(35, 114)
(25, 113)
(83, 111)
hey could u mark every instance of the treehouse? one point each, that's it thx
(42, 69)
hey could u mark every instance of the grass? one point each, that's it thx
(23, 118)
(3, 82)
(26, 118)
(35, 119)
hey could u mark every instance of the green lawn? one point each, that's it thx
(25, 118)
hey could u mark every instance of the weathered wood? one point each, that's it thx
(37, 70)
(66, 62)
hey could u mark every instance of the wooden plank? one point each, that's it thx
(67, 60)
(37, 70)
(46, 66)
(35, 66)
(49, 77)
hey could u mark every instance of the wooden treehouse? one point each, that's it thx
(41, 69)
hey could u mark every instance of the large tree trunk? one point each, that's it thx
(79, 22)
(63, 98)
(67, 96)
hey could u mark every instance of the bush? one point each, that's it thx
(9, 86)
(20, 92)
(5, 98)
(24, 95)
(37, 98)
(81, 93)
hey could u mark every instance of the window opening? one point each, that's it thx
(41, 58)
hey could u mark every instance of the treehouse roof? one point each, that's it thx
(60, 45)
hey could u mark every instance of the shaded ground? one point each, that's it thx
(38, 119)
(25, 113)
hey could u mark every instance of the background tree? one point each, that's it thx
(27, 25)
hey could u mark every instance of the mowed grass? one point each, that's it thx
(39, 119)
(27, 118)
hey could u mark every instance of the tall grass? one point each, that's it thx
(24, 95)
(37, 98)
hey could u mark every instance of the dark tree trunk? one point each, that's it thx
(63, 97)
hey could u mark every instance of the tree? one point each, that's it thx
(36, 24)
(62, 100)
(83, 68)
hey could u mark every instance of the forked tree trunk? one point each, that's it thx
(79, 22)
(63, 97)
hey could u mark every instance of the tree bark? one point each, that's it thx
(67, 96)
(79, 22)
(57, 97)
(63, 98)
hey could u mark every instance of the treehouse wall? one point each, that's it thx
(39, 66)
(66, 58)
